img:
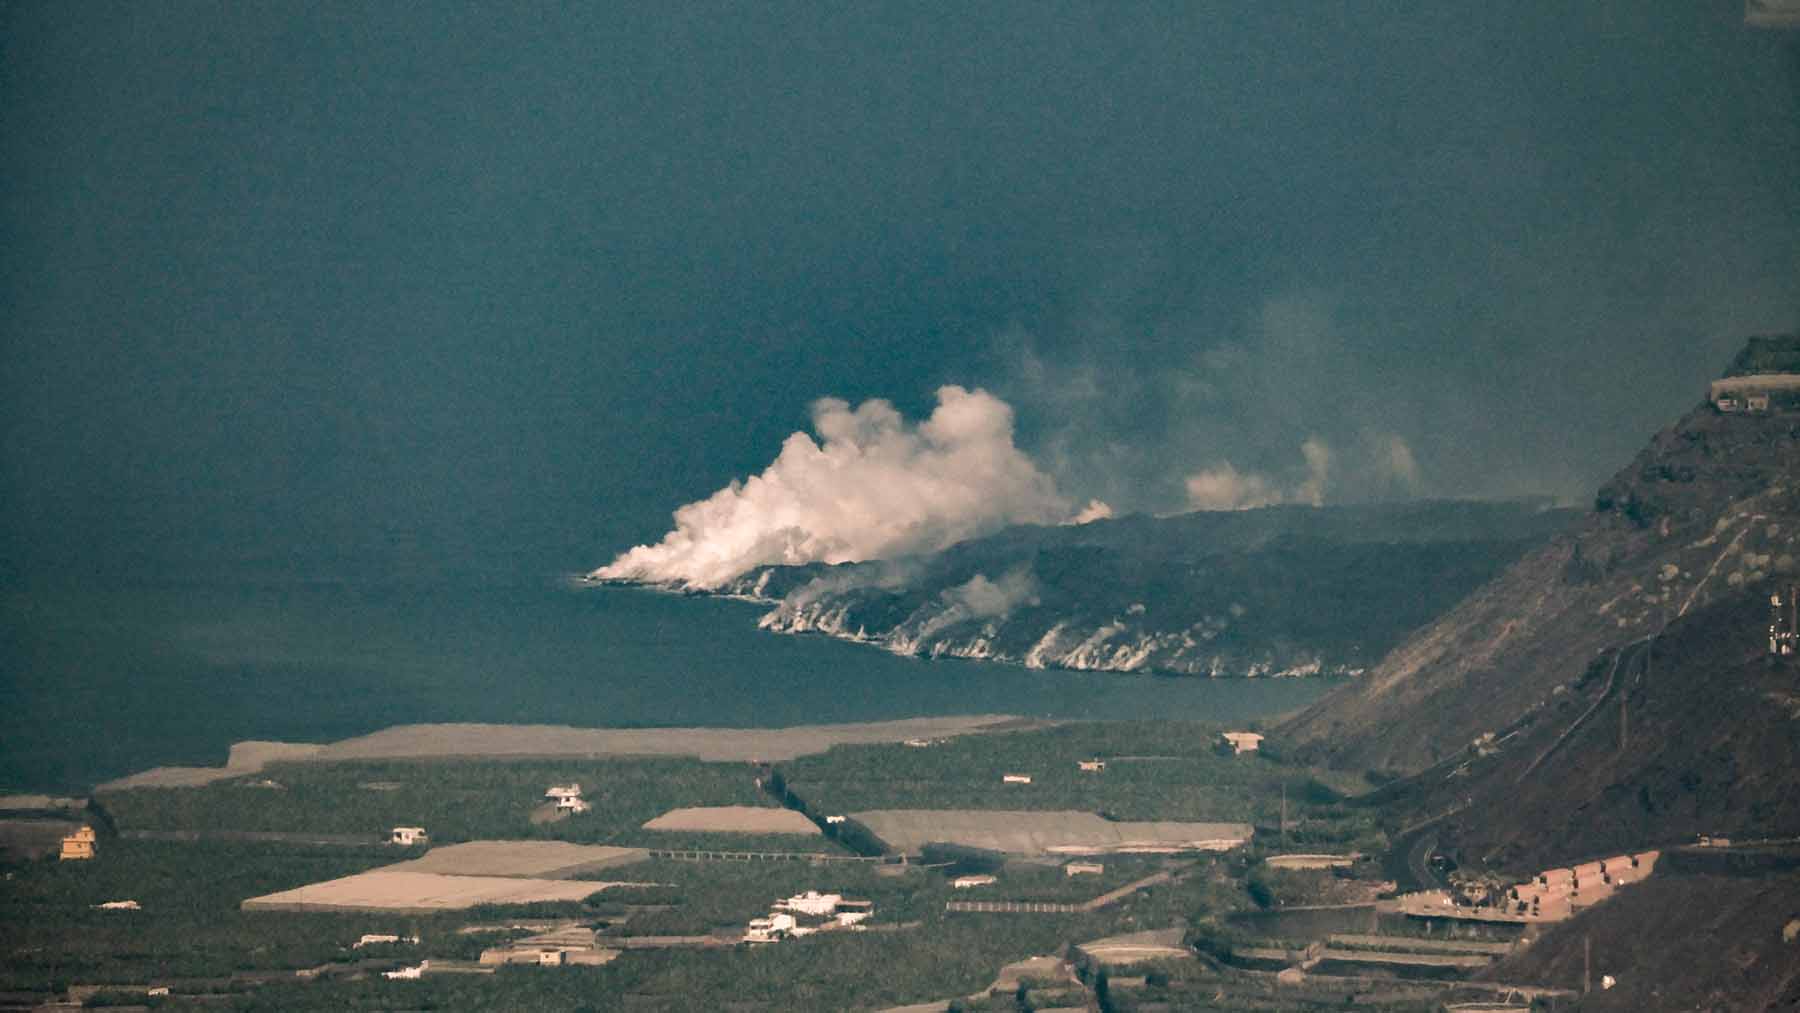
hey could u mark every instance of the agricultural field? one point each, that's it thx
(1045, 833)
(192, 927)
(703, 897)
(408, 892)
(735, 819)
(1155, 771)
(455, 800)
(534, 859)
(188, 925)
(490, 864)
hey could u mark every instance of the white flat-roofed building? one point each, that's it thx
(407, 836)
(812, 902)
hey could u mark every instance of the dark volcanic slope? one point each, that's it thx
(1282, 590)
(1678, 942)
(1712, 506)
(1696, 732)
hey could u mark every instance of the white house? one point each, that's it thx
(968, 882)
(567, 798)
(767, 930)
(812, 902)
(408, 972)
(1083, 869)
(407, 837)
(1015, 778)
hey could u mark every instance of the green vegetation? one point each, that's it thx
(189, 925)
(1155, 770)
(830, 972)
(711, 895)
(463, 800)
(191, 931)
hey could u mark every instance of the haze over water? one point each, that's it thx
(103, 678)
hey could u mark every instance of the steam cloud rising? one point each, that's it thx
(1386, 461)
(872, 486)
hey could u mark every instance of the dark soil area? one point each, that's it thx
(1677, 943)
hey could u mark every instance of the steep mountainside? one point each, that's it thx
(1677, 942)
(1278, 591)
(1696, 731)
(1707, 513)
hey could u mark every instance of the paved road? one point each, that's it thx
(1408, 862)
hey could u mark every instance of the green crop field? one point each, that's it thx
(1155, 770)
(462, 800)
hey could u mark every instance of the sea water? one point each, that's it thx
(103, 678)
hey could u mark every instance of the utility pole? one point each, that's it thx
(1284, 814)
(1624, 728)
(1587, 963)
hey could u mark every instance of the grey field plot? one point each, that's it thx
(1045, 833)
(528, 859)
(401, 891)
(735, 819)
(470, 740)
(710, 744)
(1136, 948)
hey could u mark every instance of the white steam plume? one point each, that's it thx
(1096, 510)
(1385, 463)
(872, 487)
(1223, 487)
(981, 598)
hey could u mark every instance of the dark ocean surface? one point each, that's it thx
(100, 678)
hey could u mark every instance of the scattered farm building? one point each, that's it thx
(78, 846)
(1556, 894)
(969, 882)
(1083, 869)
(769, 929)
(1015, 778)
(1241, 742)
(119, 905)
(812, 902)
(408, 836)
(1091, 765)
(567, 798)
(1756, 394)
(826, 911)
(565, 946)
(408, 973)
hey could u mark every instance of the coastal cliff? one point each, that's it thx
(1280, 591)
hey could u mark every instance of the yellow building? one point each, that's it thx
(78, 845)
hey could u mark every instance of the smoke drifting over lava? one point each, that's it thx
(871, 486)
